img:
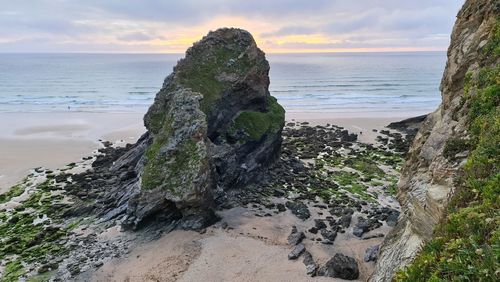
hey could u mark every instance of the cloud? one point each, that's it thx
(172, 26)
(135, 36)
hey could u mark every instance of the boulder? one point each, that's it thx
(340, 266)
(213, 127)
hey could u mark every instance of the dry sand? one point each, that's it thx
(251, 248)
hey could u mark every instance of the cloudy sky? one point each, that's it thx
(167, 26)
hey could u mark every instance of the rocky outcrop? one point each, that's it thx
(213, 127)
(429, 174)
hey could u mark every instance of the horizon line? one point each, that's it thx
(181, 53)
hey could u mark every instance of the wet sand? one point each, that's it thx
(52, 140)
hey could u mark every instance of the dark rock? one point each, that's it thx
(345, 220)
(281, 207)
(320, 224)
(313, 230)
(365, 225)
(299, 209)
(295, 236)
(296, 252)
(311, 266)
(371, 253)
(378, 235)
(340, 266)
(328, 234)
(392, 219)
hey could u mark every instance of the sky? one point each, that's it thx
(279, 26)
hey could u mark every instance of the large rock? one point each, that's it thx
(213, 127)
(428, 177)
(340, 266)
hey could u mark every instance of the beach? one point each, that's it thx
(52, 140)
(247, 248)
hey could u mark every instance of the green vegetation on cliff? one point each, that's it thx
(466, 246)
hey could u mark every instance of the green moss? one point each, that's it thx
(12, 272)
(344, 178)
(23, 241)
(256, 124)
(13, 192)
(466, 246)
(392, 189)
(368, 167)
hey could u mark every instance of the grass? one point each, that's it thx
(466, 246)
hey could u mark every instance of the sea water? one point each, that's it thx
(366, 84)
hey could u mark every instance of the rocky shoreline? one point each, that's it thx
(334, 186)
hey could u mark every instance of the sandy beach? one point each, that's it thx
(251, 248)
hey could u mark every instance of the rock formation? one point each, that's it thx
(213, 127)
(428, 179)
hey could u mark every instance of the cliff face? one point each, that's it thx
(430, 175)
(213, 127)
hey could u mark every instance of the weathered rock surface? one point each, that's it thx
(427, 179)
(213, 127)
(371, 253)
(311, 266)
(340, 266)
(296, 252)
(295, 236)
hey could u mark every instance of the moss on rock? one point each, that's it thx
(256, 124)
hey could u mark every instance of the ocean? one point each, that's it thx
(366, 84)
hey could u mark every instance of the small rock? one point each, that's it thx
(345, 220)
(299, 209)
(328, 234)
(371, 253)
(295, 236)
(392, 219)
(281, 207)
(311, 266)
(320, 224)
(296, 252)
(313, 230)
